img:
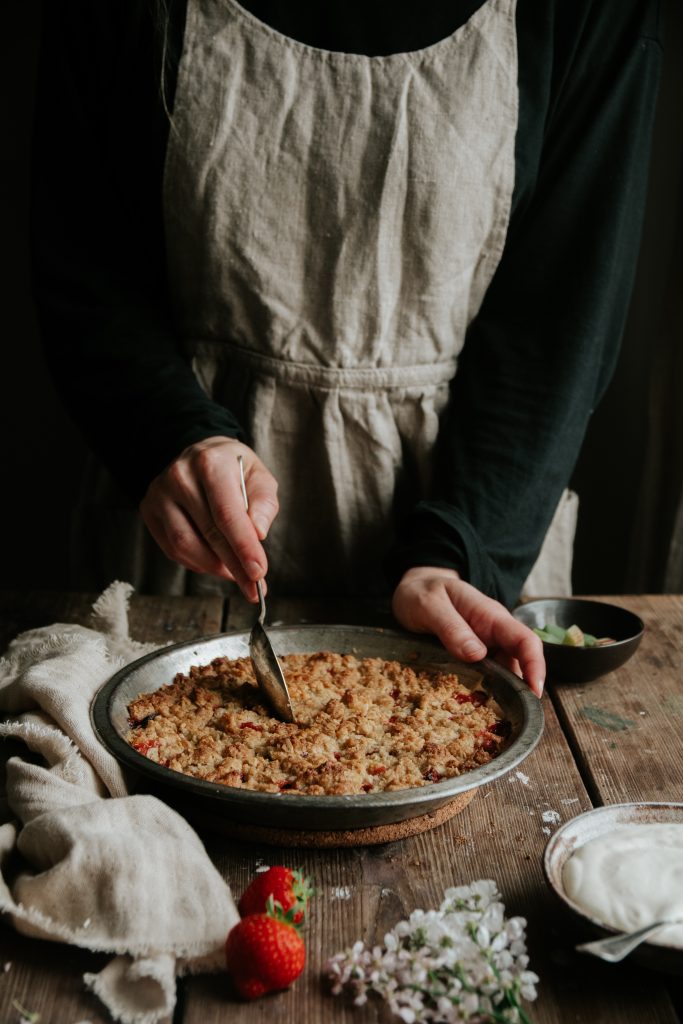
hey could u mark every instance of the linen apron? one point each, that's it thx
(333, 222)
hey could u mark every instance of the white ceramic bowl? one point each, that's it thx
(591, 825)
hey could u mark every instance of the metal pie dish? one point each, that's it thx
(591, 825)
(214, 803)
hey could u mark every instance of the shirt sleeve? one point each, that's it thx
(544, 345)
(98, 244)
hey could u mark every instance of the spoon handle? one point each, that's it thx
(261, 602)
(259, 585)
(619, 946)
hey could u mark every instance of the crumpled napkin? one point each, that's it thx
(101, 869)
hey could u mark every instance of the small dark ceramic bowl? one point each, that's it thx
(567, 664)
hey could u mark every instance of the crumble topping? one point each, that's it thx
(363, 725)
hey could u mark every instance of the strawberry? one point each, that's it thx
(290, 889)
(264, 953)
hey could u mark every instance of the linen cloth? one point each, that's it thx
(100, 868)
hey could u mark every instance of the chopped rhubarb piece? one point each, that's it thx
(366, 787)
(377, 769)
(394, 693)
(251, 725)
(503, 728)
(144, 746)
(432, 775)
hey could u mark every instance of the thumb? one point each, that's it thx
(263, 504)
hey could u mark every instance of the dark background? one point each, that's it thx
(630, 474)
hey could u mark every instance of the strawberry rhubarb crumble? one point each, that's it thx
(363, 725)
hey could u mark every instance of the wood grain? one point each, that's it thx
(159, 620)
(45, 978)
(625, 728)
(363, 891)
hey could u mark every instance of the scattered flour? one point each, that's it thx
(545, 830)
(522, 778)
(551, 817)
(571, 800)
(341, 892)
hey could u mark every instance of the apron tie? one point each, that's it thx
(326, 377)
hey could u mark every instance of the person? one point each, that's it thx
(384, 252)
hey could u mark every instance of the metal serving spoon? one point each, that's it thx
(618, 946)
(267, 668)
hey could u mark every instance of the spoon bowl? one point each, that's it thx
(267, 668)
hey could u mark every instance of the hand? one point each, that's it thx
(195, 511)
(430, 600)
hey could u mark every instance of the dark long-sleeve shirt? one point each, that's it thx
(538, 355)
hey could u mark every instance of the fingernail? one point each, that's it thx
(254, 571)
(472, 649)
(538, 687)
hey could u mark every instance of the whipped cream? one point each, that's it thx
(631, 877)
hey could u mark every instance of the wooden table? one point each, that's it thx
(614, 740)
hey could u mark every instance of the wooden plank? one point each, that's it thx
(625, 729)
(362, 892)
(154, 619)
(45, 977)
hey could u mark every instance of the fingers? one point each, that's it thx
(508, 662)
(467, 622)
(529, 651)
(517, 642)
(195, 511)
(263, 503)
(178, 538)
(452, 629)
(225, 522)
(422, 603)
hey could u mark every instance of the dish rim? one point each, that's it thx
(530, 732)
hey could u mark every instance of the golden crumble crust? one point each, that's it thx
(363, 725)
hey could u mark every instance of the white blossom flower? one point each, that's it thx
(464, 963)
